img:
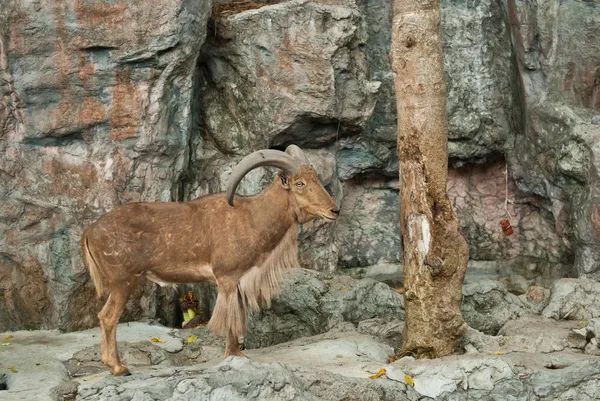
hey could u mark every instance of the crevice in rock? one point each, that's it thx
(99, 49)
(55, 141)
(313, 132)
(555, 366)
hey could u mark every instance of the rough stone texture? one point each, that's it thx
(312, 303)
(242, 379)
(532, 357)
(476, 39)
(519, 376)
(593, 347)
(537, 252)
(551, 149)
(574, 299)
(285, 73)
(95, 112)
(487, 305)
(564, 52)
(533, 334)
(564, 172)
(368, 227)
(386, 330)
(38, 356)
(556, 154)
(176, 351)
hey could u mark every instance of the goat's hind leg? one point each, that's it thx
(109, 318)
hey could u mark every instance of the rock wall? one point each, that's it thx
(104, 103)
(95, 111)
(555, 154)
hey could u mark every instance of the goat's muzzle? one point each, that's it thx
(331, 216)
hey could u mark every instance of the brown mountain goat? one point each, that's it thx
(241, 248)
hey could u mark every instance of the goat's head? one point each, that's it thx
(308, 197)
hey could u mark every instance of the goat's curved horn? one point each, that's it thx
(267, 157)
(296, 153)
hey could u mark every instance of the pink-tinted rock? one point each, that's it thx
(534, 249)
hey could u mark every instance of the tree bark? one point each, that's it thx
(435, 253)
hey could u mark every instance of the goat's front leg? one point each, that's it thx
(230, 316)
(233, 345)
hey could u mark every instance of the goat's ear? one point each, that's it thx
(285, 182)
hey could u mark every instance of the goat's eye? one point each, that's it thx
(299, 184)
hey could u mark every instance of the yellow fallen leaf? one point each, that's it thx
(157, 340)
(12, 369)
(582, 323)
(379, 374)
(5, 344)
(345, 288)
(409, 380)
(497, 353)
(93, 378)
(191, 339)
(8, 337)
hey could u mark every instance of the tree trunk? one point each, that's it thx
(435, 254)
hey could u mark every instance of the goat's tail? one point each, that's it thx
(93, 267)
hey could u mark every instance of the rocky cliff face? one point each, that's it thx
(95, 111)
(555, 155)
(104, 103)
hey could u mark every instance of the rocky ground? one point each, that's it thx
(333, 334)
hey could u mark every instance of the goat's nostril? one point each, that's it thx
(335, 211)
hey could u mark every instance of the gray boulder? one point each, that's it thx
(487, 306)
(575, 299)
(312, 303)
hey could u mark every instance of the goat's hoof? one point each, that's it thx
(120, 371)
(238, 353)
